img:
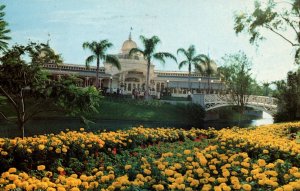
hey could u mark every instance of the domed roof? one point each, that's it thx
(128, 45)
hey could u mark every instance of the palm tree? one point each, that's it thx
(205, 66)
(191, 60)
(98, 50)
(3, 30)
(150, 54)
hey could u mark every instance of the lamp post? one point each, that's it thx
(199, 80)
(111, 84)
(212, 81)
(168, 87)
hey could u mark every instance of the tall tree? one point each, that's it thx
(191, 59)
(266, 87)
(98, 50)
(280, 18)
(3, 30)
(288, 94)
(206, 66)
(150, 54)
(238, 78)
(27, 88)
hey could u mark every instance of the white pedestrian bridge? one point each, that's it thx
(213, 101)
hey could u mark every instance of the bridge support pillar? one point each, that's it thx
(198, 99)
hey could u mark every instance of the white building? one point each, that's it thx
(133, 76)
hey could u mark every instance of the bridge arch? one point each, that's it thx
(270, 112)
(213, 101)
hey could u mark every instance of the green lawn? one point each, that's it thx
(139, 110)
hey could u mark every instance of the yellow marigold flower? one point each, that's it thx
(4, 153)
(12, 170)
(81, 129)
(41, 147)
(217, 188)
(265, 151)
(147, 171)
(226, 173)
(288, 188)
(247, 187)
(190, 159)
(261, 162)
(194, 183)
(58, 150)
(10, 187)
(206, 187)
(181, 186)
(244, 171)
(75, 189)
(237, 186)
(60, 169)
(296, 174)
(212, 167)
(226, 188)
(187, 152)
(177, 166)
(41, 167)
(169, 172)
(127, 167)
(61, 189)
(270, 165)
(104, 178)
(179, 180)
(158, 187)
(222, 180)
(64, 150)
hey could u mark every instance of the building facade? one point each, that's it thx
(132, 76)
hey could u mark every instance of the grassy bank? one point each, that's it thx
(139, 110)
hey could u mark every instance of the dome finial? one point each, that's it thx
(130, 33)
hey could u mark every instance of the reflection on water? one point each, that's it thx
(55, 125)
(219, 124)
(267, 119)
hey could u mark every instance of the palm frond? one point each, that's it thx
(155, 40)
(199, 68)
(183, 63)
(135, 50)
(113, 60)
(182, 51)
(89, 60)
(191, 51)
(162, 55)
(104, 45)
(86, 45)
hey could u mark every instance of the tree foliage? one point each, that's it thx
(28, 89)
(288, 94)
(192, 60)
(280, 18)
(237, 76)
(3, 30)
(150, 54)
(98, 50)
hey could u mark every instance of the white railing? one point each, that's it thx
(212, 101)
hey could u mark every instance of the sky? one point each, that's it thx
(206, 24)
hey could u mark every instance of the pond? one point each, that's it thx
(55, 125)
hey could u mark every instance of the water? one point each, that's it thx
(55, 125)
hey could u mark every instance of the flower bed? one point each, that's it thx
(262, 158)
